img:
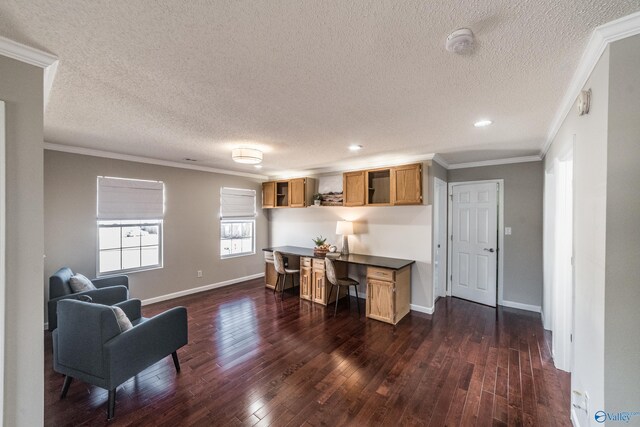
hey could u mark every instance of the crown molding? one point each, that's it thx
(601, 37)
(32, 56)
(511, 160)
(442, 162)
(148, 160)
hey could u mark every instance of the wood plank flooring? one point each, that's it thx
(255, 360)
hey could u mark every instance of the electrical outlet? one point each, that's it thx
(507, 231)
(199, 273)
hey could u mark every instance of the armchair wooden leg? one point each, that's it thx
(357, 299)
(335, 312)
(275, 287)
(65, 386)
(176, 362)
(112, 404)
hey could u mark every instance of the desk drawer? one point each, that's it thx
(381, 274)
(318, 264)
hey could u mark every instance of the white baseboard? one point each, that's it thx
(200, 289)
(521, 306)
(421, 308)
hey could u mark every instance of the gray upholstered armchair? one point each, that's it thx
(110, 290)
(88, 344)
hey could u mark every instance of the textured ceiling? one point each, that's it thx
(304, 79)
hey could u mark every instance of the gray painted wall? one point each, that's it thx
(622, 290)
(523, 190)
(191, 225)
(21, 89)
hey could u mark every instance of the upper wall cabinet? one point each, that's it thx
(399, 185)
(353, 188)
(292, 193)
(406, 185)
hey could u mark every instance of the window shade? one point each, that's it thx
(237, 203)
(126, 199)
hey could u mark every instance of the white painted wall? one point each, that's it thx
(397, 232)
(590, 184)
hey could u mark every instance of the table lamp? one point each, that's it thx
(345, 228)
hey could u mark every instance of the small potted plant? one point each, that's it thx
(317, 199)
(322, 247)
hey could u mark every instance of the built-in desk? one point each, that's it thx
(388, 280)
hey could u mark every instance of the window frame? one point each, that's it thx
(129, 223)
(253, 237)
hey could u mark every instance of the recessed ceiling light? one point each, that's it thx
(355, 147)
(482, 123)
(258, 166)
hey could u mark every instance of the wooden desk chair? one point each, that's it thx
(278, 263)
(330, 273)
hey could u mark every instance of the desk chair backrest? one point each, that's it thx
(330, 271)
(278, 262)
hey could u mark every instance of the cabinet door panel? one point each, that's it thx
(268, 194)
(306, 290)
(297, 193)
(380, 300)
(407, 185)
(319, 288)
(354, 188)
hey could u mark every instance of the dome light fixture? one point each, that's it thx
(482, 123)
(249, 156)
(355, 147)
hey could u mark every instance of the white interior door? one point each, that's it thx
(439, 239)
(474, 251)
(3, 195)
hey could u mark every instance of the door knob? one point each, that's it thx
(489, 250)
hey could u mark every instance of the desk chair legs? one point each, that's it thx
(335, 311)
(283, 283)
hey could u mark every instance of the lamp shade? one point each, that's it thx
(246, 155)
(344, 227)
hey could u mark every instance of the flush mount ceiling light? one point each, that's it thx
(258, 166)
(249, 156)
(460, 41)
(482, 123)
(355, 147)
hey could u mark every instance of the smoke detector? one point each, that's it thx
(460, 41)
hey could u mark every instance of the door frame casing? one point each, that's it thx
(500, 198)
(444, 221)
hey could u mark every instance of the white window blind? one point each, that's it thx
(123, 199)
(237, 203)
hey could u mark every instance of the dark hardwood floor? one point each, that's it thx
(255, 360)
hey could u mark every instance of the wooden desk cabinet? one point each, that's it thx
(388, 294)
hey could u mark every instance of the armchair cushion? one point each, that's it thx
(123, 321)
(80, 283)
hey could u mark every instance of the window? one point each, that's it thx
(236, 238)
(130, 219)
(129, 245)
(237, 222)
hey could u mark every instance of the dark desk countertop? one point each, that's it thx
(374, 261)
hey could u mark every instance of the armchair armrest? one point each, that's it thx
(119, 280)
(132, 308)
(146, 343)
